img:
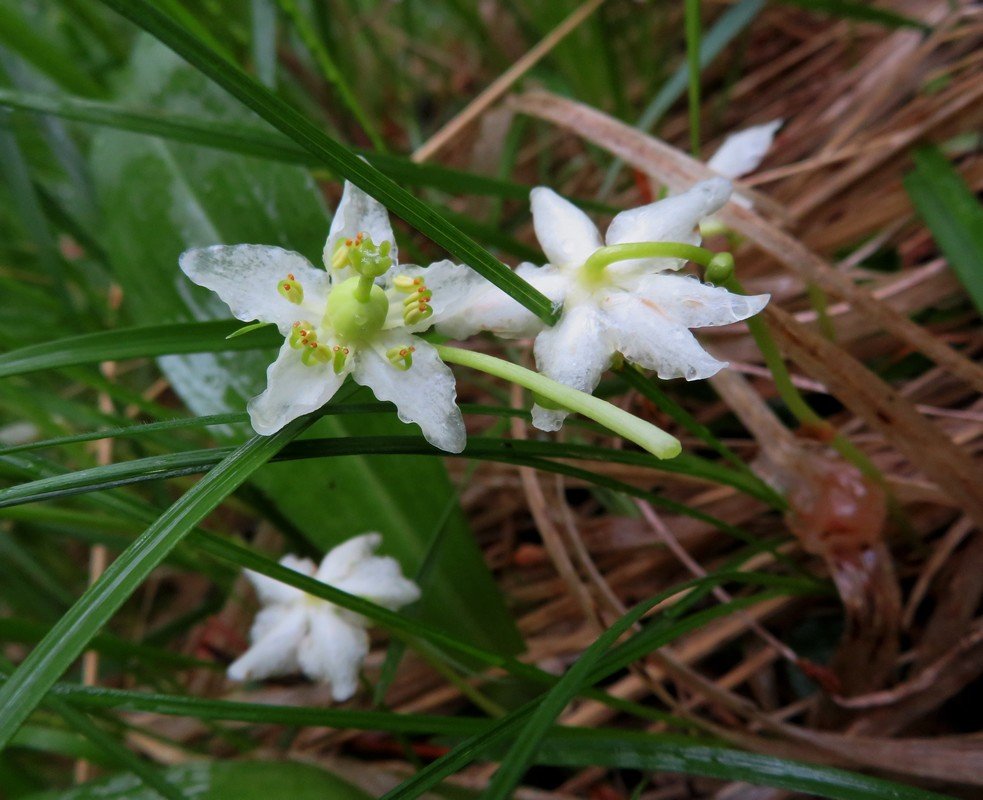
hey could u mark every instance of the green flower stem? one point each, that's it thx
(644, 434)
(794, 400)
(605, 256)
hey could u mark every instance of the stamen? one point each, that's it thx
(291, 290)
(339, 357)
(339, 258)
(422, 295)
(313, 353)
(405, 284)
(417, 313)
(401, 357)
(302, 333)
(416, 307)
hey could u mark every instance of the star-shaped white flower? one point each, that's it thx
(359, 317)
(636, 307)
(297, 632)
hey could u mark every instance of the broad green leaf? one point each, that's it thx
(161, 198)
(222, 780)
(953, 214)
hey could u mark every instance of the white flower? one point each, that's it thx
(297, 632)
(637, 307)
(743, 151)
(338, 322)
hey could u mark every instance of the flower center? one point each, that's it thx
(357, 309)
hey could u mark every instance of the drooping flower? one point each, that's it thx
(743, 151)
(297, 632)
(634, 306)
(338, 322)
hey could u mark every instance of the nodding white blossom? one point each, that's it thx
(635, 307)
(743, 151)
(740, 153)
(359, 317)
(297, 632)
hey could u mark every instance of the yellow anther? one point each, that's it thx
(404, 283)
(416, 313)
(422, 295)
(291, 290)
(339, 258)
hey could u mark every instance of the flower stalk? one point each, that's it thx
(646, 435)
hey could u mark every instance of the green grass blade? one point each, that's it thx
(580, 748)
(523, 749)
(295, 125)
(262, 713)
(174, 465)
(511, 724)
(329, 70)
(692, 24)
(236, 137)
(860, 11)
(22, 37)
(69, 636)
(731, 24)
(142, 342)
(262, 18)
(953, 215)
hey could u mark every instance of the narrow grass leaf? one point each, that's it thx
(860, 11)
(346, 163)
(953, 215)
(69, 636)
(581, 748)
(175, 465)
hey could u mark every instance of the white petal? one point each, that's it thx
(574, 352)
(292, 390)
(425, 393)
(359, 212)
(380, 579)
(341, 559)
(245, 276)
(743, 151)
(565, 233)
(276, 635)
(271, 591)
(649, 337)
(333, 651)
(674, 219)
(464, 303)
(686, 301)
